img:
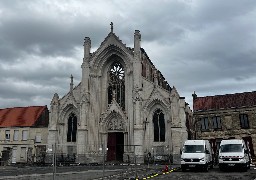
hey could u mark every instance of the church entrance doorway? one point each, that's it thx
(115, 146)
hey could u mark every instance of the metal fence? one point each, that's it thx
(64, 155)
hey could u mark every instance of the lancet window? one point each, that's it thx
(159, 126)
(72, 128)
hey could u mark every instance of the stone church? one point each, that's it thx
(123, 108)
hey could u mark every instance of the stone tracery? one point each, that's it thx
(116, 84)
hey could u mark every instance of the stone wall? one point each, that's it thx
(230, 124)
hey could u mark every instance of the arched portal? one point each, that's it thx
(115, 129)
(115, 146)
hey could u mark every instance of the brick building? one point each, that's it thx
(225, 117)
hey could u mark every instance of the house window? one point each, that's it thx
(38, 138)
(159, 126)
(16, 135)
(204, 124)
(24, 135)
(72, 128)
(23, 153)
(216, 122)
(244, 121)
(7, 135)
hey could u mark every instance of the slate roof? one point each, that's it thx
(227, 101)
(24, 116)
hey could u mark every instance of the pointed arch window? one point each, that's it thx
(116, 84)
(72, 128)
(159, 126)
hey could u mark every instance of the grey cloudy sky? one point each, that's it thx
(207, 46)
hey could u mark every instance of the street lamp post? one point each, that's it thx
(53, 149)
(154, 159)
(168, 154)
(54, 160)
(103, 151)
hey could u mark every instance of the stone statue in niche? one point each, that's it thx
(136, 94)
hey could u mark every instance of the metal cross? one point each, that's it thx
(111, 24)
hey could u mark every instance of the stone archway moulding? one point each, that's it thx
(70, 108)
(103, 58)
(113, 122)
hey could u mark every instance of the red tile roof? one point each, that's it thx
(246, 99)
(22, 116)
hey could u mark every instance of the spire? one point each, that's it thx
(87, 47)
(71, 83)
(137, 39)
(111, 26)
(194, 95)
(55, 99)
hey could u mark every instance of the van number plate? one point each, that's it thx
(192, 165)
(231, 164)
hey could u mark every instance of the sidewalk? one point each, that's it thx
(127, 171)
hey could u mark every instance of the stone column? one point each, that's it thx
(82, 132)
(81, 145)
(138, 125)
(52, 138)
(85, 65)
(138, 143)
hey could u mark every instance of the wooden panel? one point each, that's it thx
(111, 154)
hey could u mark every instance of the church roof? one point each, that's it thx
(24, 116)
(238, 100)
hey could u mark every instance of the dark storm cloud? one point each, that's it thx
(26, 31)
(204, 46)
(40, 36)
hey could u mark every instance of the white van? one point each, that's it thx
(196, 154)
(233, 153)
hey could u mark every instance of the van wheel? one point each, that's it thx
(211, 165)
(206, 168)
(244, 167)
(183, 168)
(248, 165)
(222, 168)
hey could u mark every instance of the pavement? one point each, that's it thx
(121, 171)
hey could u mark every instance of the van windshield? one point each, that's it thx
(231, 148)
(193, 149)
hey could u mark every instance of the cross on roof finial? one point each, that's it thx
(111, 24)
(71, 78)
(71, 83)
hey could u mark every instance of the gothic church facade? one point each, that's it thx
(123, 106)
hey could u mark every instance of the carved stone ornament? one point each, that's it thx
(85, 98)
(115, 124)
(136, 94)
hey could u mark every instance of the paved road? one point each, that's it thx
(177, 174)
(118, 172)
(213, 174)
